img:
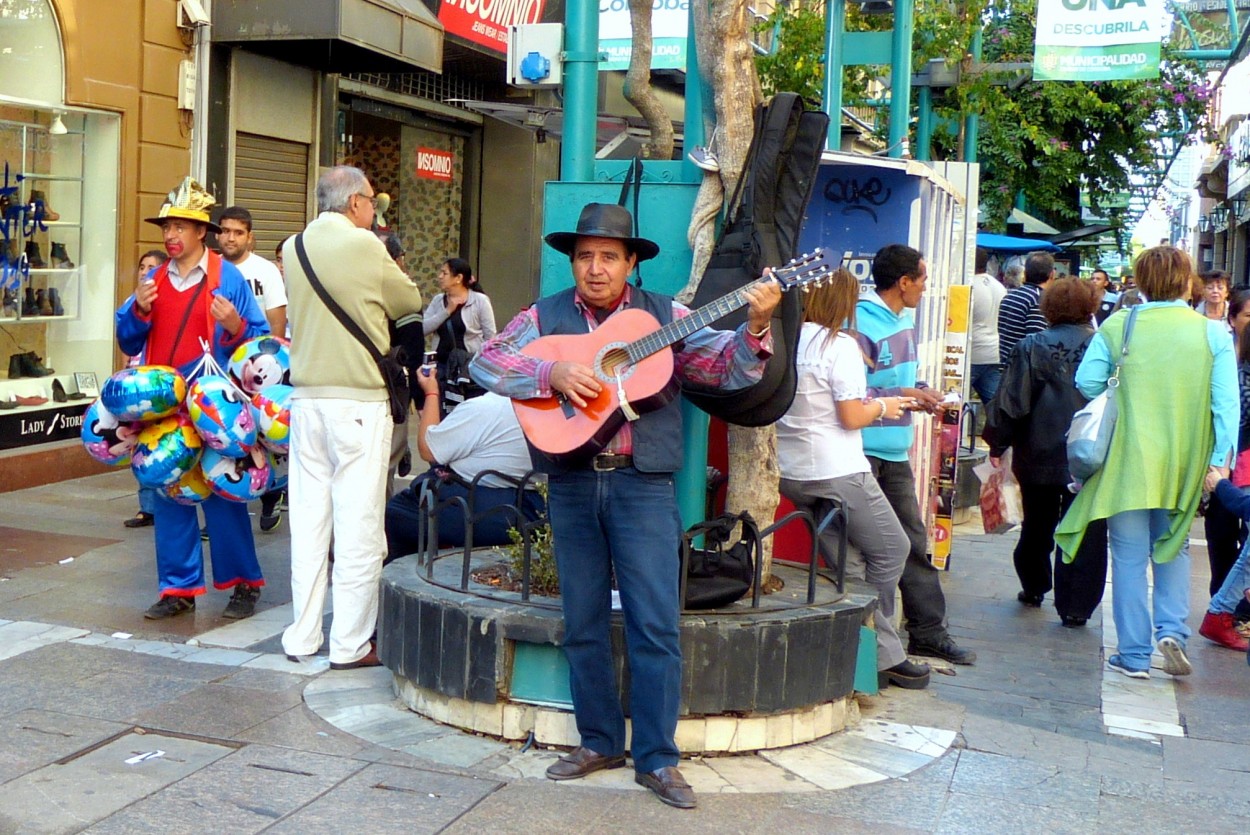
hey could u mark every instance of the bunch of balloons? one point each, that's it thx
(223, 435)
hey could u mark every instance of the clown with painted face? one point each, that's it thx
(195, 297)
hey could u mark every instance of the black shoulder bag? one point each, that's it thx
(719, 574)
(390, 364)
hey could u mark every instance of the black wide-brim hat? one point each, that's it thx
(604, 220)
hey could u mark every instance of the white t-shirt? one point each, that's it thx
(266, 282)
(987, 294)
(481, 433)
(811, 443)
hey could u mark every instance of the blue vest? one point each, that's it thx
(657, 439)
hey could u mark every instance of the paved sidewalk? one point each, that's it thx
(109, 723)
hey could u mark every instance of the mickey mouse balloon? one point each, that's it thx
(260, 363)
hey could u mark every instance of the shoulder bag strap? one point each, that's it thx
(1128, 332)
(329, 302)
(633, 178)
(186, 317)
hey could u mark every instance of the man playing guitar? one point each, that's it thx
(614, 512)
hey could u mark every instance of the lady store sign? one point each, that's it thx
(23, 428)
(1098, 40)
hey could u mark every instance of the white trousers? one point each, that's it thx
(337, 487)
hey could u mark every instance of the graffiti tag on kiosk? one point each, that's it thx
(856, 196)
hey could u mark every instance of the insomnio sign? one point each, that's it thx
(1098, 40)
(433, 164)
(486, 22)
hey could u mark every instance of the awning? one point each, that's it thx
(1006, 243)
(1080, 233)
(1030, 225)
(341, 36)
(617, 137)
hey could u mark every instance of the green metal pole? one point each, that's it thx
(581, 90)
(900, 75)
(924, 124)
(835, 28)
(692, 132)
(690, 481)
(972, 122)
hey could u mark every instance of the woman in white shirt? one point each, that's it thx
(821, 456)
(461, 319)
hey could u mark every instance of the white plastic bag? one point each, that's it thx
(1002, 506)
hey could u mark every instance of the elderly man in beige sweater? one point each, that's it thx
(340, 419)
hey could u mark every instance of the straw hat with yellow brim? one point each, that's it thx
(190, 201)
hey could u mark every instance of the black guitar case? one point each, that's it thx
(762, 230)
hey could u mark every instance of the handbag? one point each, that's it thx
(1002, 503)
(716, 576)
(390, 365)
(1089, 435)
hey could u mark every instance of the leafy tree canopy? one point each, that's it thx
(1045, 141)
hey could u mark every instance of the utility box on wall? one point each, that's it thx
(535, 55)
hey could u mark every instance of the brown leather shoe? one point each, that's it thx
(370, 660)
(582, 761)
(669, 786)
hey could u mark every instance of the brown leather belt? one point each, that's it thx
(605, 462)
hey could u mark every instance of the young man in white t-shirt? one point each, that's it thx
(262, 275)
(236, 240)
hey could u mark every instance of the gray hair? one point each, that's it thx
(1013, 276)
(336, 187)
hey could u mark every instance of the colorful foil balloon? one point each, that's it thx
(166, 450)
(278, 470)
(236, 479)
(107, 439)
(260, 363)
(273, 416)
(147, 392)
(222, 416)
(190, 489)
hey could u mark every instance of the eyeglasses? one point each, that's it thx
(373, 201)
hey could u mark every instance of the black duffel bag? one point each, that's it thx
(719, 574)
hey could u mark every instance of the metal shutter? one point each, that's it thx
(271, 182)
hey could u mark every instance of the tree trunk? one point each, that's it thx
(637, 87)
(727, 64)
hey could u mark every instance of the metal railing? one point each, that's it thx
(432, 504)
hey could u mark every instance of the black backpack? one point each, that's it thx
(762, 230)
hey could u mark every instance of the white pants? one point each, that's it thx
(339, 452)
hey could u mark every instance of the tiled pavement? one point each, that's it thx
(200, 725)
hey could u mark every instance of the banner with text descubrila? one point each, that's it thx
(1098, 40)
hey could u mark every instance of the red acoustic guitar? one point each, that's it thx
(631, 355)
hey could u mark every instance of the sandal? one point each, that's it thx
(140, 520)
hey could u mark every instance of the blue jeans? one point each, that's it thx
(625, 523)
(985, 380)
(1235, 584)
(1132, 534)
(148, 499)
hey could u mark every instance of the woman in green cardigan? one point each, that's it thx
(1178, 415)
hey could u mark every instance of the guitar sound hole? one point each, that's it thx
(612, 360)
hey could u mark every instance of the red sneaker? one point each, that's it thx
(1218, 627)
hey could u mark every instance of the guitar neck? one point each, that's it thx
(679, 329)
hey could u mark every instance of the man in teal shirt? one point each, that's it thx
(887, 337)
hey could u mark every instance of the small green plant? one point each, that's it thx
(543, 577)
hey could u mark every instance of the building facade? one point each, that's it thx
(92, 139)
